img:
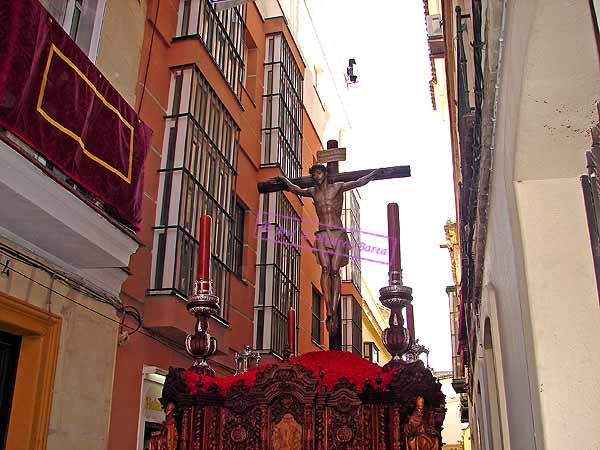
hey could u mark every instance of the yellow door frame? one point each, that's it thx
(34, 386)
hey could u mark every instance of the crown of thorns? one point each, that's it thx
(316, 167)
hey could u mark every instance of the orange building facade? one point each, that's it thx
(93, 309)
(223, 92)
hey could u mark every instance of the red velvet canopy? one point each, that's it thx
(55, 99)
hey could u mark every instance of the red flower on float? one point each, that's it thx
(334, 365)
(224, 384)
(191, 380)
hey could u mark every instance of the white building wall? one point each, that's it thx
(561, 81)
(502, 265)
(564, 310)
(539, 286)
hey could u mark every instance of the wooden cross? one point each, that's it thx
(331, 158)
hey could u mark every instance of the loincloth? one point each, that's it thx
(335, 242)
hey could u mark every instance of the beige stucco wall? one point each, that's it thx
(434, 6)
(560, 89)
(441, 89)
(88, 342)
(121, 44)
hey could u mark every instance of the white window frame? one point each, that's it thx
(151, 374)
(97, 30)
(269, 233)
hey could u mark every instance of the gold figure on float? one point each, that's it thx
(417, 433)
(166, 438)
(287, 434)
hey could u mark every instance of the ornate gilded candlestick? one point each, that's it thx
(202, 305)
(396, 297)
(415, 350)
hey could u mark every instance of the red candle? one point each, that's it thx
(394, 242)
(204, 250)
(292, 330)
(410, 321)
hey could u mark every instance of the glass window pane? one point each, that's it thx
(205, 185)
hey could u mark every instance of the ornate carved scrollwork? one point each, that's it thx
(339, 418)
(344, 418)
(241, 431)
(382, 435)
(213, 431)
(197, 436)
(286, 404)
(320, 425)
(367, 428)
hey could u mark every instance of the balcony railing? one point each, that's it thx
(459, 385)
(469, 129)
(458, 372)
(464, 409)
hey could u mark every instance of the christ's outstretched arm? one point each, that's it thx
(295, 189)
(361, 181)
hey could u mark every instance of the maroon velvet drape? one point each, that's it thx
(56, 100)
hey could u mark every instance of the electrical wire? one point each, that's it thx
(123, 309)
(136, 315)
(148, 60)
(78, 285)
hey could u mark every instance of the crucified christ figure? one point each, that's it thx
(331, 241)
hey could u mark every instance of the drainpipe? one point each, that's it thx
(485, 173)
